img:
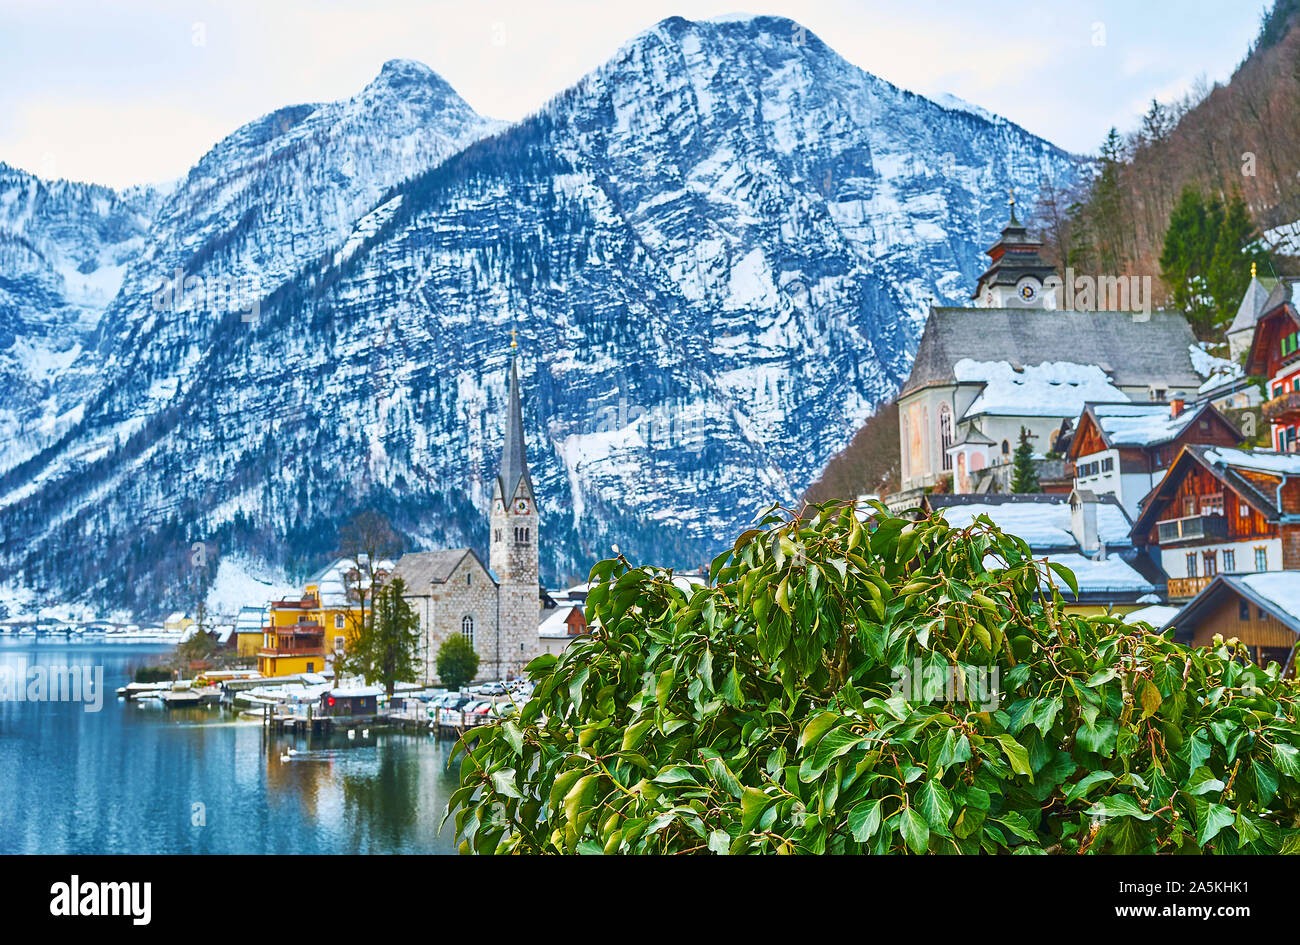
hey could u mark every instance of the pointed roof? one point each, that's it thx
(1252, 304)
(1012, 257)
(514, 460)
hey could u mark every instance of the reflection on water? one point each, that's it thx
(136, 778)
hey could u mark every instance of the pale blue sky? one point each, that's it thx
(134, 92)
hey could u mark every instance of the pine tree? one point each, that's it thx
(384, 651)
(1024, 475)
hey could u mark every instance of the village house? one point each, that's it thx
(293, 641)
(982, 373)
(1275, 354)
(1222, 511)
(1124, 449)
(248, 630)
(1261, 610)
(1087, 533)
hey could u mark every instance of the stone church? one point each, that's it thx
(497, 605)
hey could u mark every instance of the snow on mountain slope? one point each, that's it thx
(717, 249)
(64, 248)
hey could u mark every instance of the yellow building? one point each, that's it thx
(303, 634)
(293, 640)
(248, 630)
(177, 623)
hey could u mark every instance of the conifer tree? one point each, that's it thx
(1024, 477)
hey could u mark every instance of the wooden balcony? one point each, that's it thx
(1192, 528)
(1184, 588)
(1284, 408)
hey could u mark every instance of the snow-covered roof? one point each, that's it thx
(250, 619)
(1044, 522)
(330, 580)
(1113, 574)
(1051, 389)
(355, 692)
(1140, 424)
(556, 623)
(1281, 589)
(1263, 461)
(1157, 615)
(1277, 592)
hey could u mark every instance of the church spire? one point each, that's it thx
(514, 460)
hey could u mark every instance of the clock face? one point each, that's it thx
(521, 506)
(1028, 290)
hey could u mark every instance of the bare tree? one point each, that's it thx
(366, 543)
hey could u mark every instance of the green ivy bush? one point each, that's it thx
(804, 702)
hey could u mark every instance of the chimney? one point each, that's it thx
(1176, 406)
(1083, 520)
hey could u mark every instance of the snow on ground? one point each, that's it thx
(240, 582)
(1284, 239)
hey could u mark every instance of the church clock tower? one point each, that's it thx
(1017, 277)
(514, 541)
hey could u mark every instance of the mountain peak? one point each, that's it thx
(408, 74)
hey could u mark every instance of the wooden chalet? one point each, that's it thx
(1222, 511)
(1123, 449)
(1261, 610)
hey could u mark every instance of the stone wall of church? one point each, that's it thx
(468, 592)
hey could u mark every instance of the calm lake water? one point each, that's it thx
(126, 779)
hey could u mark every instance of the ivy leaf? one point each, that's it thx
(1016, 755)
(864, 820)
(1213, 818)
(916, 833)
(1203, 781)
(935, 805)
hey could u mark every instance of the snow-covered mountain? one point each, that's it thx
(717, 250)
(64, 248)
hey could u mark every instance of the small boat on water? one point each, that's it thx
(144, 690)
(186, 698)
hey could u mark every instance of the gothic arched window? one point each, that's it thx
(945, 434)
(467, 627)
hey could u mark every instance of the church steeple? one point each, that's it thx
(514, 459)
(1016, 273)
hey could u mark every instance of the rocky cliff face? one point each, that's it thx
(716, 250)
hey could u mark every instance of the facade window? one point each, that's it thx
(1006, 448)
(338, 621)
(469, 579)
(1243, 509)
(1211, 563)
(1108, 464)
(945, 434)
(467, 628)
(1229, 560)
(1191, 564)
(1243, 610)
(1261, 559)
